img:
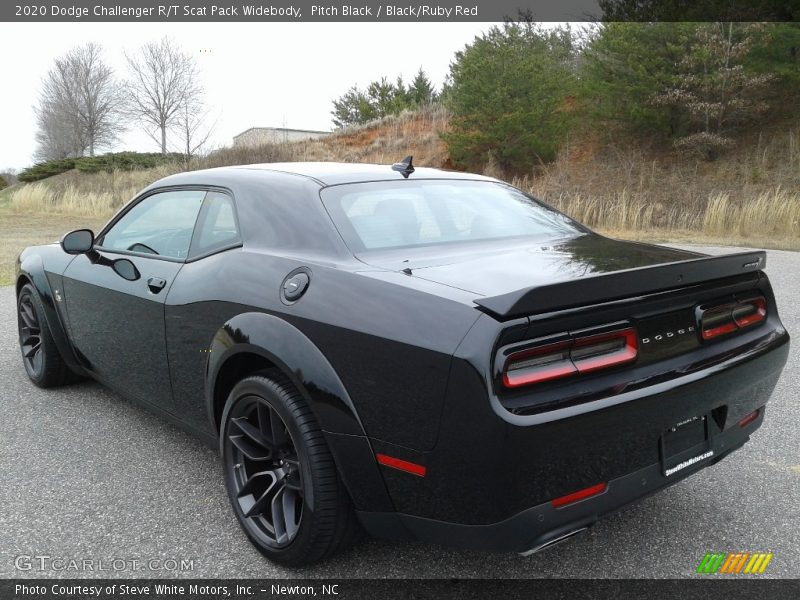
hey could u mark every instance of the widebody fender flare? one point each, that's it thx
(30, 267)
(299, 359)
(296, 356)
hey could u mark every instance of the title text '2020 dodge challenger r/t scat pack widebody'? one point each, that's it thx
(418, 354)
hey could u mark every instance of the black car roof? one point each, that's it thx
(326, 173)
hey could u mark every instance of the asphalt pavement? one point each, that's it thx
(87, 476)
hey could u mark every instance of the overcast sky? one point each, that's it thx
(255, 74)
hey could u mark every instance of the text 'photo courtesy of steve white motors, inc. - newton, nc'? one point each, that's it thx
(243, 11)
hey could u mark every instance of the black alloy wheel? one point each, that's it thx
(265, 471)
(40, 356)
(281, 478)
(30, 334)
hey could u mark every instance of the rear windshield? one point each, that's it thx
(402, 214)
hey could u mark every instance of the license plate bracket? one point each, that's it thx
(683, 443)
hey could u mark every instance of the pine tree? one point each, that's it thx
(421, 91)
(507, 97)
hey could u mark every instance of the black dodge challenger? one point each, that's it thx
(418, 354)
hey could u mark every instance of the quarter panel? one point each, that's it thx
(229, 303)
(390, 346)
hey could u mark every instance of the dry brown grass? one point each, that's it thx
(20, 230)
(773, 217)
(750, 195)
(693, 237)
(83, 194)
(775, 213)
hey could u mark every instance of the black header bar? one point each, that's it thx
(395, 11)
(705, 587)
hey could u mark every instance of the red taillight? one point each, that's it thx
(579, 495)
(712, 332)
(574, 356)
(722, 320)
(750, 312)
(605, 350)
(536, 365)
(401, 465)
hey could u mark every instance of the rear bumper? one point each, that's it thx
(490, 482)
(538, 526)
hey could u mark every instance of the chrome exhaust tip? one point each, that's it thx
(554, 541)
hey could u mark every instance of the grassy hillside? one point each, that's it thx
(749, 196)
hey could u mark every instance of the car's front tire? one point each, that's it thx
(40, 356)
(280, 474)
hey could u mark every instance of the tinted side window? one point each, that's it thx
(161, 224)
(217, 226)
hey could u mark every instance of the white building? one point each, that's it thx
(256, 136)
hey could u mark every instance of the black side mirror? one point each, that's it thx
(79, 241)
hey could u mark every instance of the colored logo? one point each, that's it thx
(734, 562)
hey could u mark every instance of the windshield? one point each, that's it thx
(402, 214)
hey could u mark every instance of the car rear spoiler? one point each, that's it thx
(621, 284)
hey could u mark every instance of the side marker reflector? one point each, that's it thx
(579, 495)
(749, 418)
(401, 465)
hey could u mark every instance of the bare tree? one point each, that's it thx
(57, 135)
(9, 176)
(191, 127)
(164, 82)
(713, 88)
(79, 106)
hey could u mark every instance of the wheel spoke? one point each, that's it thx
(28, 316)
(36, 361)
(289, 499)
(279, 515)
(29, 329)
(253, 433)
(252, 507)
(279, 436)
(249, 485)
(271, 425)
(249, 449)
(30, 349)
(27, 333)
(264, 418)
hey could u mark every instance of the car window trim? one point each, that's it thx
(225, 248)
(139, 254)
(202, 215)
(151, 192)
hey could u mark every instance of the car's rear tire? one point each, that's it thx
(40, 356)
(278, 470)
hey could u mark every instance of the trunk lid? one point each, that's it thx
(492, 269)
(523, 279)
